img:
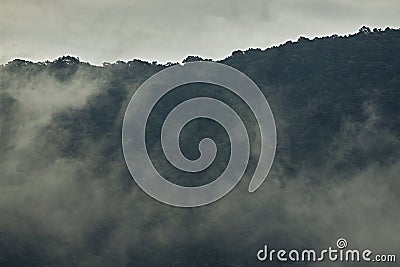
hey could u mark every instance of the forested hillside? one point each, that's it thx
(67, 198)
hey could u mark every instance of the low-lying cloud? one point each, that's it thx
(84, 209)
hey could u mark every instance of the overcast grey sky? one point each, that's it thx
(98, 31)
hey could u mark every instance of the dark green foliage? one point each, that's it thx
(336, 104)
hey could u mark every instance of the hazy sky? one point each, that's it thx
(98, 31)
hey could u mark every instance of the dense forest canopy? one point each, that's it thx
(66, 197)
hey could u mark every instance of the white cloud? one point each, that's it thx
(169, 31)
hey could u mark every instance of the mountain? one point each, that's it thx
(67, 198)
